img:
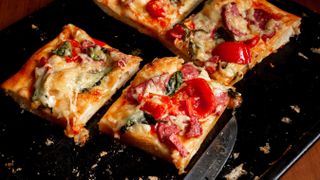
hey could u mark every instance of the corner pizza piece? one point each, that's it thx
(228, 37)
(168, 110)
(69, 79)
(152, 17)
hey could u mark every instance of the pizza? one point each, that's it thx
(152, 17)
(168, 110)
(70, 78)
(229, 37)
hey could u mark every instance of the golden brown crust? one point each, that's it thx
(140, 135)
(21, 86)
(289, 26)
(134, 14)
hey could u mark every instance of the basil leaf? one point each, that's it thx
(137, 117)
(63, 50)
(149, 119)
(175, 82)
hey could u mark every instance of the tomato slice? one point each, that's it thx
(155, 8)
(196, 99)
(234, 52)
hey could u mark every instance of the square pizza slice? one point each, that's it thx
(168, 110)
(70, 78)
(228, 37)
(152, 17)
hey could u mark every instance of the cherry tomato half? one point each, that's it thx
(234, 52)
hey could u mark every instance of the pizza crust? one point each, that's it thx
(21, 87)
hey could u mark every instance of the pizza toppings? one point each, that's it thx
(174, 83)
(189, 71)
(234, 52)
(168, 134)
(73, 67)
(175, 103)
(233, 20)
(155, 8)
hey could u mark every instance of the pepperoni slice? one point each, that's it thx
(157, 83)
(167, 134)
(233, 19)
(189, 71)
(194, 128)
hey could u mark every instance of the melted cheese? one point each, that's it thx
(58, 82)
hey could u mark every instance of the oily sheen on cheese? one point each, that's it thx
(69, 79)
(154, 117)
(248, 31)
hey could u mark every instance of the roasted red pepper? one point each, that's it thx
(252, 42)
(99, 43)
(177, 32)
(155, 8)
(234, 52)
(195, 99)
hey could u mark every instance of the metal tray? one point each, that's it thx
(31, 148)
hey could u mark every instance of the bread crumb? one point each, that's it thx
(315, 50)
(10, 166)
(236, 173)
(153, 178)
(271, 65)
(49, 142)
(103, 153)
(35, 27)
(265, 149)
(94, 166)
(235, 155)
(302, 55)
(286, 120)
(296, 108)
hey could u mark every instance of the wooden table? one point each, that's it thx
(307, 167)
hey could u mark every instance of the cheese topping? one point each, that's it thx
(58, 82)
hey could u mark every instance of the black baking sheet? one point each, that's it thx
(31, 148)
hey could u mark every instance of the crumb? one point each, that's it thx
(154, 158)
(315, 50)
(236, 173)
(256, 178)
(235, 155)
(153, 178)
(43, 36)
(296, 108)
(302, 55)
(271, 65)
(94, 166)
(265, 149)
(22, 111)
(10, 166)
(49, 142)
(103, 153)
(286, 120)
(35, 27)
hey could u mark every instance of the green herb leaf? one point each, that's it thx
(174, 83)
(137, 117)
(63, 50)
